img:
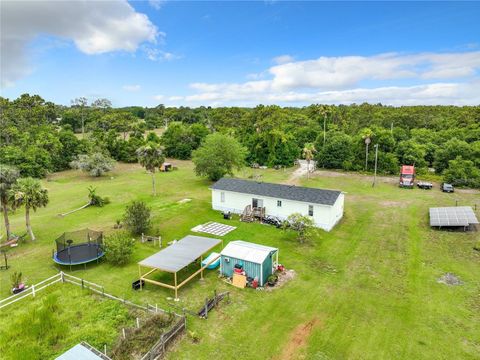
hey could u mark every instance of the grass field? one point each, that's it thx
(366, 290)
(44, 327)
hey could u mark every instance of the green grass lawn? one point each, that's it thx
(64, 315)
(366, 290)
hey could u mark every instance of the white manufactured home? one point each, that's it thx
(325, 207)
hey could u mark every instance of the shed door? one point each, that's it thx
(257, 203)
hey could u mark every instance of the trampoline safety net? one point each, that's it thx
(84, 236)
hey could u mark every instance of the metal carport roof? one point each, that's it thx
(178, 255)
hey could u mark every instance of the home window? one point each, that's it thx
(310, 210)
(222, 196)
(279, 203)
(257, 203)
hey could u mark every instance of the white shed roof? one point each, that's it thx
(78, 352)
(247, 251)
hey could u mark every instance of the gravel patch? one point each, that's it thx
(450, 279)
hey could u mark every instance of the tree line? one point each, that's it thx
(39, 137)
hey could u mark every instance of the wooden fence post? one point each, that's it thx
(33, 290)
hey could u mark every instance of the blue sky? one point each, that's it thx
(243, 53)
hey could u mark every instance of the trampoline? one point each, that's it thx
(79, 247)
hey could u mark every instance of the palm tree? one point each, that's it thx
(308, 151)
(151, 157)
(8, 177)
(324, 110)
(29, 192)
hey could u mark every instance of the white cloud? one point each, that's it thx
(131, 88)
(94, 27)
(157, 4)
(283, 59)
(423, 78)
(159, 97)
(348, 71)
(255, 76)
(437, 93)
(155, 54)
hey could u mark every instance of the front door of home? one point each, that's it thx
(257, 203)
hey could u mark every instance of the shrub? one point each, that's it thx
(142, 338)
(119, 248)
(95, 164)
(302, 225)
(137, 217)
(95, 199)
(193, 336)
(16, 279)
(272, 279)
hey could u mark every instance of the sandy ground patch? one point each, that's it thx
(366, 177)
(468, 191)
(296, 175)
(397, 204)
(283, 278)
(298, 339)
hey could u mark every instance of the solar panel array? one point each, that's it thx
(452, 216)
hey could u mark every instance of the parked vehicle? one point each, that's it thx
(407, 176)
(272, 220)
(448, 188)
(424, 185)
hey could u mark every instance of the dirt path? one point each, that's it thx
(367, 177)
(296, 175)
(298, 339)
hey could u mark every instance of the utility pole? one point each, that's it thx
(367, 142)
(324, 127)
(376, 160)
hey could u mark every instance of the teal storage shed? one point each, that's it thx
(258, 261)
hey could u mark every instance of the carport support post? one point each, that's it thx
(176, 288)
(201, 267)
(140, 276)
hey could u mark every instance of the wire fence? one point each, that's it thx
(159, 349)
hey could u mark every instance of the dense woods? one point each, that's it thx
(39, 137)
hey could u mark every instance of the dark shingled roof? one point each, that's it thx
(288, 192)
